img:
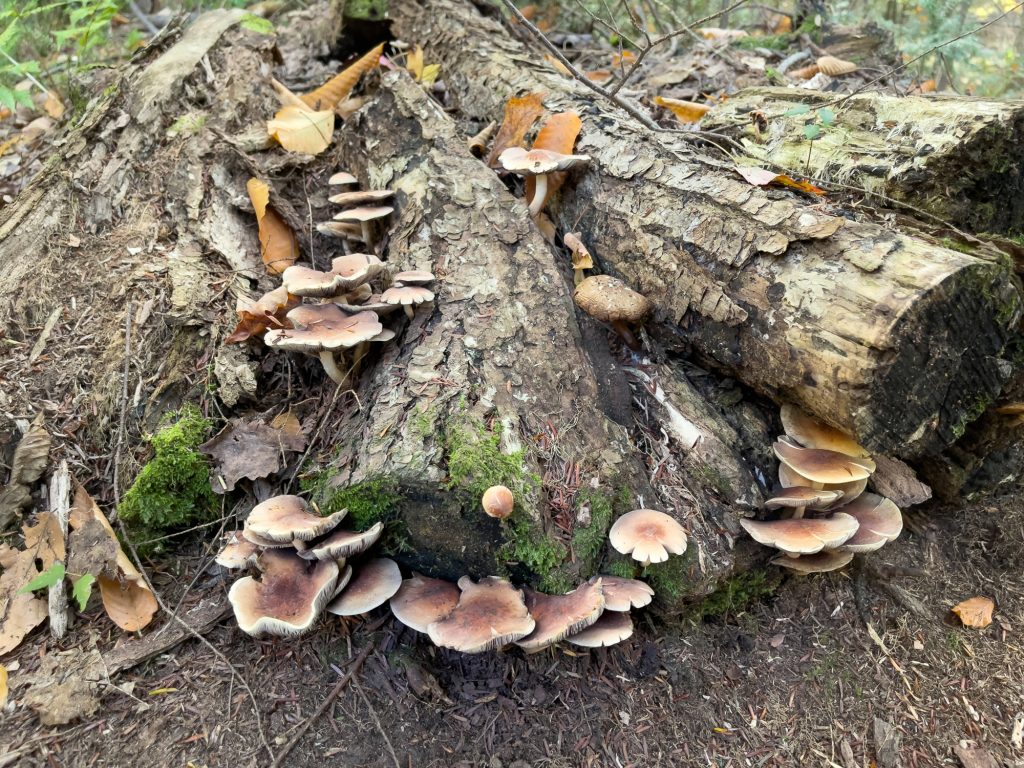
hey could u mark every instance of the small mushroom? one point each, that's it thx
(880, 522)
(342, 178)
(538, 163)
(789, 478)
(621, 594)
(414, 277)
(498, 501)
(821, 466)
(259, 541)
(613, 627)
(238, 552)
(822, 562)
(648, 535)
(558, 616)
(357, 267)
(363, 216)
(811, 433)
(421, 601)
(834, 67)
(798, 497)
(360, 197)
(581, 258)
(340, 229)
(287, 519)
(803, 536)
(340, 543)
(407, 296)
(375, 583)
(323, 328)
(489, 614)
(610, 300)
(303, 281)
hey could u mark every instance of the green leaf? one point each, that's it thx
(827, 116)
(46, 579)
(430, 73)
(257, 24)
(812, 131)
(799, 109)
(81, 589)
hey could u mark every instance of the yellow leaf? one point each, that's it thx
(341, 85)
(559, 66)
(430, 73)
(686, 111)
(278, 246)
(414, 62)
(53, 106)
(3, 686)
(975, 612)
(161, 691)
(521, 112)
(299, 130)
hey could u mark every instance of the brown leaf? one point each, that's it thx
(251, 450)
(804, 73)
(65, 687)
(53, 106)
(975, 612)
(300, 130)
(255, 317)
(328, 95)
(685, 111)
(31, 455)
(45, 540)
(92, 550)
(521, 112)
(278, 245)
(559, 134)
(20, 613)
(3, 686)
(896, 481)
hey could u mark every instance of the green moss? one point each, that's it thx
(373, 501)
(958, 245)
(589, 540)
(623, 567)
(712, 476)
(368, 10)
(476, 461)
(736, 594)
(671, 578)
(771, 42)
(173, 490)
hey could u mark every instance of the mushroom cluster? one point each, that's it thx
(362, 209)
(826, 517)
(300, 564)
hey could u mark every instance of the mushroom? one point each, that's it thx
(340, 229)
(303, 281)
(802, 536)
(340, 543)
(372, 304)
(421, 601)
(621, 594)
(613, 627)
(489, 614)
(363, 216)
(498, 501)
(538, 163)
(342, 178)
(834, 67)
(648, 535)
(880, 522)
(259, 541)
(288, 597)
(238, 552)
(357, 266)
(407, 296)
(375, 583)
(360, 197)
(822, 562)
(811, 433)
(821, 466)
(798, 497)
(581, 258)
(323, 328)
(610, 300)
(557, 616)
(287, 519)
(414, 277)
(789, 478)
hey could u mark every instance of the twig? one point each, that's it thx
(357, 663)
(124, 400)
(60, 495)
(376, 721)
(29, 75)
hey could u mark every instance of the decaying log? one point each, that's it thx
(876, 332)
(960, 159)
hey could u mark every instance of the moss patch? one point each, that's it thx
(368, 503)
(736, 594)
(771, 42)
(621, 566)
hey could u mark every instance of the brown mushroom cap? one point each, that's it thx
(342, 177)
(286, 519)
(622, 594)
(804, 536)
(609, 300)
(799, 496)
(355, 265)
(288, 597)
(613, 627)
(498, 501)
(323, 327)
(414, 277)
(238, 552)
(360, 197)
(406, 295)
(648, 535)
(811, 433)
(260, 541)
(820, 466)
(365, 213)
(489, 614)
(535, 162)
(880, 522)
(340, 543)
(375, 583)
(834, 67)
(421, 601)
(789, 478)
(822, 562)
(340, 229)
(557, 616)
(303, 281)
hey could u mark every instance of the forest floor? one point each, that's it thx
(777, 674)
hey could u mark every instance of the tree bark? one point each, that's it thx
(958, 158)
(876, 332)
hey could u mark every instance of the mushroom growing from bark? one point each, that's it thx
(811, 433)
(342, 178)
(880, 522)
(407, 296)
(374, 584)
(238, 552)
(323, 328)
(421, 601)
(798, 497)
(557, 616)
(498, 501)
(648, 535)
(823, 562)
(538, 163)
(610, 300)
(621, 594)
(363, 216)
(285, 519)
(490, 613)
(802, 536)
(362, 196)
(340, 543)
(613, 627)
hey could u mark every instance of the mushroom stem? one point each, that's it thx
(540, 191)
(627, 335)
(331, 366)
(798, 513)
(366, 236)
(577, 276)
(409, 311)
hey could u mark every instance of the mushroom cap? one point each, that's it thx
(406, 294)
(364, 213)
(489, 614)
(286, 519)
(820, 466)
(822, 562)
(260, 541)
(788, 478)
(238, 552)
(355, 297)
(340, 229)
(648, 535)
(811, 433)
(421, 601)
(375, 583)
(622, 594)
(386, 335)
(321, 327)
(535, 162)
(833, 67)
(613, 627)
(799, 496)
(303, 281)
(558, 616)
(340, 543)
(414, 277)
(498, 501)
(802, 536)
(880, 522)
(608, 299)
(355, 265)
(288, 597)
(342, 177)
(362, 196)
(372, 304)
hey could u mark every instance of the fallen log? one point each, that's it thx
(958, 158)
(880, 333)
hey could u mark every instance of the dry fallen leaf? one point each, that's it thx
(804, 73)
(718, 34)
(31, 455)
(521, 112)
(20, 612)
(65, 687)
(250, 449)
(3, 686)
(255, 317)
(760, 177)
(328, 95)
(559, 134)
(685, 111)
(975, 612)
(897, 481)
(559, 66)
(278, 245)
(300, 130)
(53, 106)
(45, 540)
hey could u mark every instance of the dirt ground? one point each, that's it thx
(793, 678)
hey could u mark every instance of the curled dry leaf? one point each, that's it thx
(251, 449)
(804, 73)
(255, 317)
(278, 245)
(478, 144)
(559, 134)
(761, 177)
(521, 112)
(975, 612)
(20, 612)
(335, 90)
(31, 455)
(300, 130)
(685, 111)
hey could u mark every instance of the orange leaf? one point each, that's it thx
(626, 57)
(686, 111)
(801, 184)
(761, 177)
(341, 85)
(278, 246)
(558, 135)
(53, 106)
(562, 69)
(528, 11)
(254, 317)
(975, 612)
(598, 75)
(300, 130)
(521, 112)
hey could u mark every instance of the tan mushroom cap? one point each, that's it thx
(406, 295)
(414, 277)
(820, 466)
(800, 496)
(608, 299)
(287, 519)
(834, 67)
(622, 594)
(375, 583)
(788, 478)
(489, 614)
(362, 196)
(364, 213)
(558, 616)
(498, 501)
(323, 327)
(238, 552)
(811, 433)
(288, 597)
(355, 265)
(340, 543)
(535, 162)
(341, 178)
(355, 297)
(803, 536)
(303, 281)
(340, 229)
(421, 601)
(372, 304)
(613, 627)
(648, 535)
(880, 522)
(822, 562)
(260, 541)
